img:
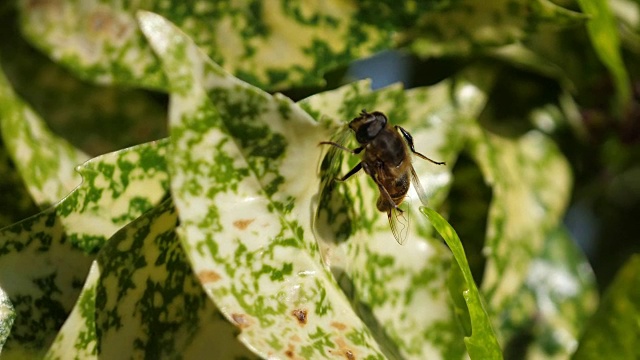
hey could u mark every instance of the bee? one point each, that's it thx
(387, 161)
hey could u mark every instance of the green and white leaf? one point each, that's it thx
(116, 188)
(397, 284)
(7, 316)
(561, 286)
(78, 334)
(243, 185)
(45, 162)
(144, 283)
(531, 185)
(100, 41)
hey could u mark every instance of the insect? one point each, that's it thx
(387, 161)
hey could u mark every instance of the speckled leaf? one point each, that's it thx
(45, 162)
(116, 189)
(561, 286)
(143, 282)
(470, 25)
(243, 178)
(481, 342)
(78, 334)
(7, 315)
(614, 330)
(531, 184)
(403, 287)
(273, 44)
(603, 31)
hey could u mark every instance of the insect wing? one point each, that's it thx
(399, 221)
(422, 195)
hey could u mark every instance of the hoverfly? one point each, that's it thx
(386, 159)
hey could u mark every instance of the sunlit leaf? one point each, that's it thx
(116, 188)
(7, 316)
(101, 41)
(244, 217)
(402, 287)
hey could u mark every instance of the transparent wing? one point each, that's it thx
(422, 195)
(399, 221)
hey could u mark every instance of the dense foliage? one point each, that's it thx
(161, 200)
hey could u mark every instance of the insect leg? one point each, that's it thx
(355, 151)
(351, 172)
(409, 140)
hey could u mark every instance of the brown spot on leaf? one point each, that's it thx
(338, 325)
(243, 223)
(349, 355)
(241, 320)
(208, 276)
(300, 315)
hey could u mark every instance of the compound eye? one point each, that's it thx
(370, 126)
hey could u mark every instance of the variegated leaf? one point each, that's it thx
(243, 177)
(116, 188)
(7, 316)
(78, 334)
(531, 184)
(45, 162)
(100, 40)
(403, 287)
(561, 287)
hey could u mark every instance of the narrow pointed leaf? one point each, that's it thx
(482, 342)
(45, 162)
(603, 31)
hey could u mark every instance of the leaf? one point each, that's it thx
(242, 217)
(482, 342)
(562, 287)
(143, 282)
(531, 182)
(613, 330)
(468, 26)
(101, 42)
(116, 189)
(78, 334)
(45, 162)
(401, 289)
(7, 316)
(603, 31)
